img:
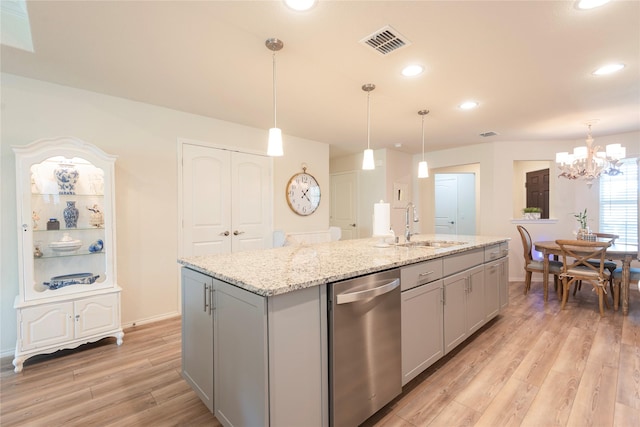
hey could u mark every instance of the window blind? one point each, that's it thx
(619, 203)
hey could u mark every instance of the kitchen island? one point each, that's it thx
(265, 344)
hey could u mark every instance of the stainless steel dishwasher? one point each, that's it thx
(365, 364)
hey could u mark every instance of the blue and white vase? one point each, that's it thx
(96, 246)
(70, 214)
(66, 177)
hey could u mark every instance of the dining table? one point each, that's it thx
(615, 252)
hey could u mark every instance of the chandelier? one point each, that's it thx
(589, 162)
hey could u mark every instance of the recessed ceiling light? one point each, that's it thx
(608, 69)
(300, 5)
(590, 4)
(468, 105)
(412, 70)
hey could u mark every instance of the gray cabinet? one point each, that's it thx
(197, 334)
(463, 306)
(496, 279)
(422, 329)
(240, 358)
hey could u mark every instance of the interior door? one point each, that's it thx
(343, 204)
(538, 191)
(206, 200)
(250, 202)
(226, 201)
(446, 209)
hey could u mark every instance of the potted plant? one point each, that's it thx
(531, 213)
(583, 231)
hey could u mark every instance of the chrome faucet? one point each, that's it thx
(407, 229)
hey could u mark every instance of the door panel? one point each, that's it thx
(250, 202)
(343, 204)
(206, 200)
(446, 190)
(538, 191)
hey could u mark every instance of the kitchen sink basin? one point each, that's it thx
(432, 244)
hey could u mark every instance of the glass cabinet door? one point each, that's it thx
(67, 244)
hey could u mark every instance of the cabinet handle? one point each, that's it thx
(237, 233)
(443, 296)
(352, 225)
(206, 288)
(225, 233)
(470, 284)
(425, 274)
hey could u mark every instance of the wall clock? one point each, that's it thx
(303, 193)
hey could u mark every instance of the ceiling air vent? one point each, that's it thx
(385, 40)
(490, 133)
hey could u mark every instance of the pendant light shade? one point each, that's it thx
(274, 147)
(368, 163)
(423, 168)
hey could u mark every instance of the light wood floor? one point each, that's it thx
(532, 366)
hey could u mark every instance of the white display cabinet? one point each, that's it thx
(69, 294)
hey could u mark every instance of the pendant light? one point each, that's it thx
(274, 148)
(367, 160)
(423, 168)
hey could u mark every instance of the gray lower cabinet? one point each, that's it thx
(503, 290)
(240, 358)
(263, 358)
(463, 306)
(422, 329)
(197, 334)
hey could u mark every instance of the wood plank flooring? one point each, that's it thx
(534, 365)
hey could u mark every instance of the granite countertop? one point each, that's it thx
(269, 272)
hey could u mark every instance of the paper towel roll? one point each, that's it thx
(381, 219)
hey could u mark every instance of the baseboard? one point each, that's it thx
(150, 320)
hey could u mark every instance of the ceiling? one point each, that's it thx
(528, 63)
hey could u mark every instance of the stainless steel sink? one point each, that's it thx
(432, 244)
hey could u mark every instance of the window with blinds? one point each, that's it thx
(619, 203)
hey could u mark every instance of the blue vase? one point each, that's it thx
(70, 214)
(66, 177)
(96, 246)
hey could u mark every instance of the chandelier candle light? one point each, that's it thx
(589, 162)
(367, 160)
(275, 134)
(423, 168)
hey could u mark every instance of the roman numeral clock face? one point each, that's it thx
(303, 194)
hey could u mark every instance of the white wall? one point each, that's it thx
(144, 138)
(496, 174)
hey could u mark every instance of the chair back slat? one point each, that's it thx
(578, 253)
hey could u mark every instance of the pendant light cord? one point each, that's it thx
(423, 137)
(274, 90)
(368, 120)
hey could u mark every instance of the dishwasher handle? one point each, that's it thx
(348, 297)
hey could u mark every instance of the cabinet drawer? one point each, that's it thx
(417, 274)
(496, 251)
(463, 261)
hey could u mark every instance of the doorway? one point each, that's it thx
(455, 203)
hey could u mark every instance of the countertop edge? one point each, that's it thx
(410, 255)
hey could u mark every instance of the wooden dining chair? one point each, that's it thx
(576, 255)
(634, 277)
(532, 266)
(608, 264)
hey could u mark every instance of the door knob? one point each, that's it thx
(353, 225)
(237, 233)
(226, 233)
(452, 222)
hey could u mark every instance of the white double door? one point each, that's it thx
(226, 201)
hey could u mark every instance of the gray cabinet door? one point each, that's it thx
(455, 312)
(240, 360)
(197, 334)
(422, 329)
(503, 287)
(492, 278)
(475, 299)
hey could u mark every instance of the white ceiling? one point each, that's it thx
(528, 64)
